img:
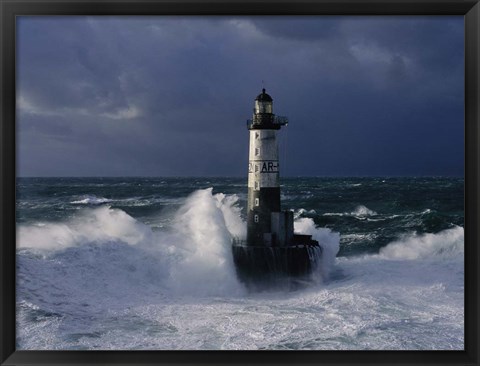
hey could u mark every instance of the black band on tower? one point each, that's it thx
(261, 203)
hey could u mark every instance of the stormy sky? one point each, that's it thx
(170, 96)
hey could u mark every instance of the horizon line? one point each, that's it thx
(245, 177)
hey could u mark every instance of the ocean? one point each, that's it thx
(146, 264)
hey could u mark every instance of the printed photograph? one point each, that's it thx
(240, 183)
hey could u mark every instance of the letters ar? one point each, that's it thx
(269, 167)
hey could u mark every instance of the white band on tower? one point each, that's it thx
(263, 166)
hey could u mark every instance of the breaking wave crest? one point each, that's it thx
(192, 256)
(363, 211)
(90, 200)
(205, 264)
(328, 240)
(446, 243)
(360, 211)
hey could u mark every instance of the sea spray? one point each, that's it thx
(447, 243)
(194, 253)
(328, 240)
(231, 210)
(206, 264)
(98, 225)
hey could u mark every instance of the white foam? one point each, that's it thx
(301, 211)
(412, 246)
(357, 237)
(363, 211)
(98, 225)
(195, 248)
(91, 200)
(205, 265)
(108, 282)
(228, 204)
(328, 240)
(334, 214)
(360, 212)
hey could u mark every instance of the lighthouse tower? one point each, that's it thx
(263, 171)
(271, 249)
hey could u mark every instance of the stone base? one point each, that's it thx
(261, 264)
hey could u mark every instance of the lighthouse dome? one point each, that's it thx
(264, 97)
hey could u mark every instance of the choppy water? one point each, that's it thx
(145, 263)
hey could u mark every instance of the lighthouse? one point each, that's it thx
(263, 171)
(271, 248)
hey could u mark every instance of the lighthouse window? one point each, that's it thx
(257, 151)
(256, 185)
(256, 168)
(255, 218)
(257, 202)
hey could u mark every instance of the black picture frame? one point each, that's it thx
(10, 9)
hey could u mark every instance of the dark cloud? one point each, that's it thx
(304, 28)
(170, 95)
